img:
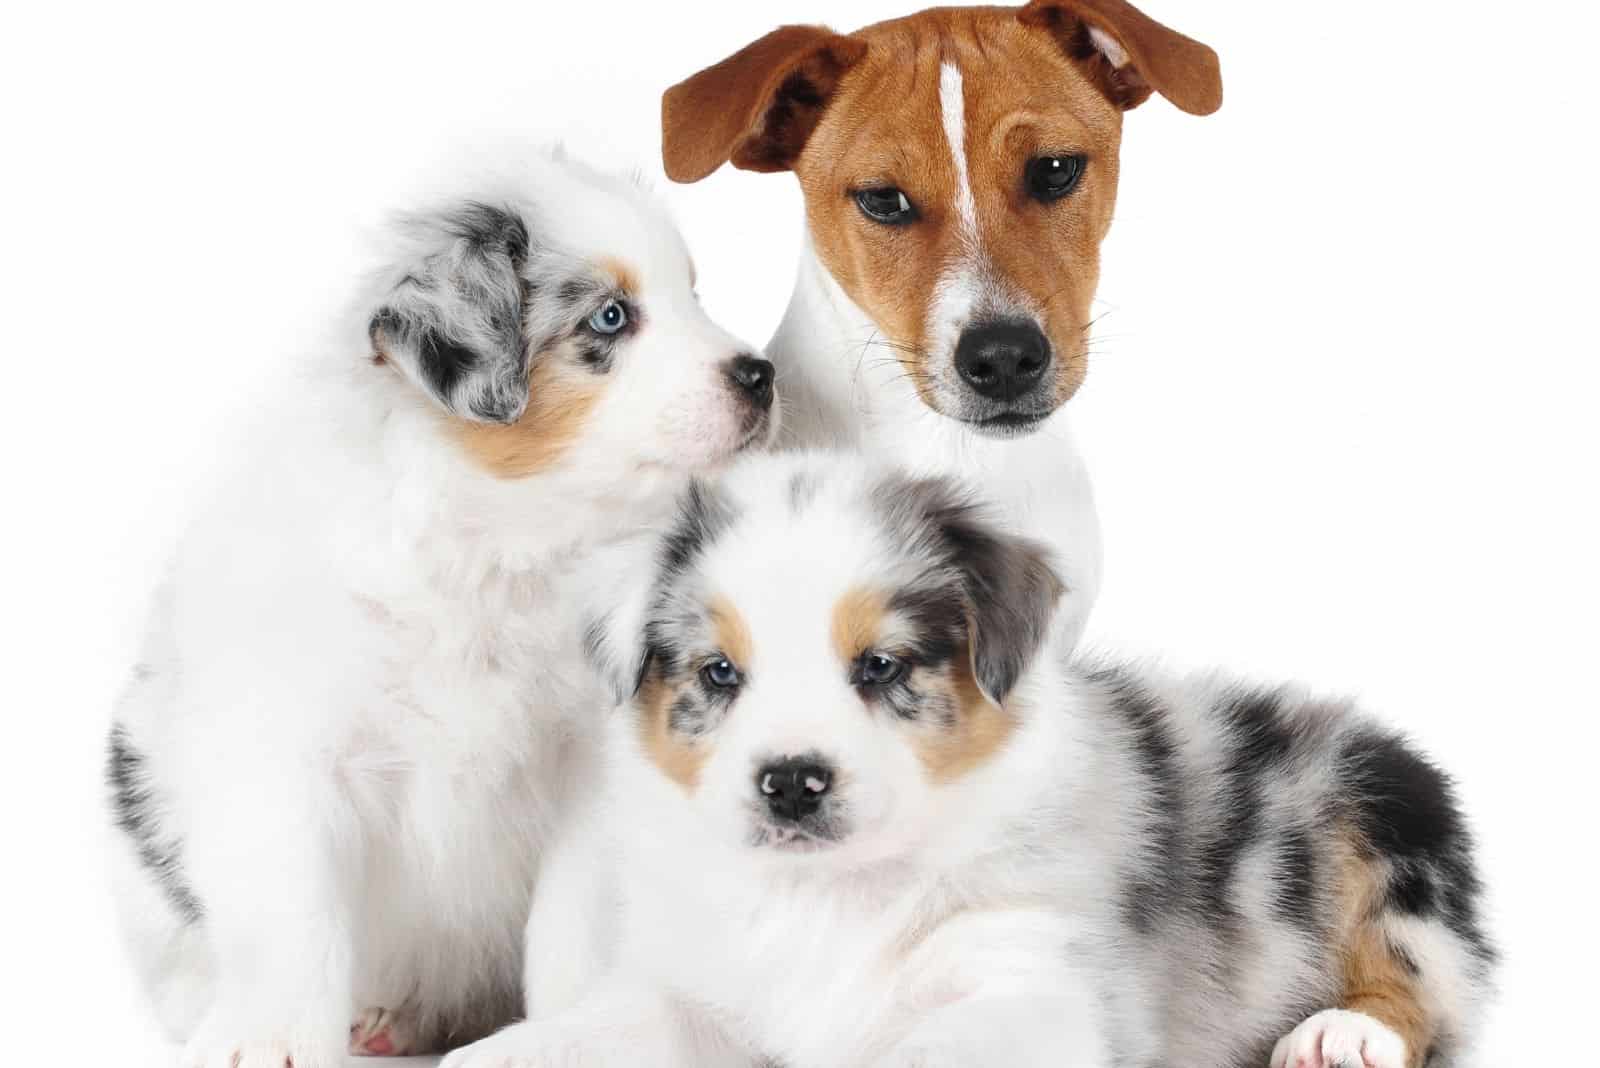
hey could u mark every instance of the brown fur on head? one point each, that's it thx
(880, 109)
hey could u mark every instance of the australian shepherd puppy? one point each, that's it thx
(363, 685)
(854, 815)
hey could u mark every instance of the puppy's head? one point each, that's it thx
(826, 653)
(959, 169)
(555, 324)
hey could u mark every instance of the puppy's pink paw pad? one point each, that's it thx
(383, 1033)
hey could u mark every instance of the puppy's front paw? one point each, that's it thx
(386, 1033)
(1340, 1039)
(224, 1042)
(257, 1055)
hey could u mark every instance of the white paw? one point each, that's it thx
(385, 1033)
(256, 1055)
(1340, 1039)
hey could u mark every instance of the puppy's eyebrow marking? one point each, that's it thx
(626, 278)
(952, 109)
(731, 633)
(858, 622)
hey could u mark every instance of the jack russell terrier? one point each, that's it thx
(959, 168)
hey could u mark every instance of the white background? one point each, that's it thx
(1343, 424)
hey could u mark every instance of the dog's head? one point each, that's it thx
(959, 169)
(556, 324)
(826, 653)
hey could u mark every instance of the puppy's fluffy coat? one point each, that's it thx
(853, 815)
(363, 688)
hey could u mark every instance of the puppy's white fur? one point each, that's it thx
(362, 693)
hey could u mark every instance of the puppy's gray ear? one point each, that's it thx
(451, 314)
(1011, 589)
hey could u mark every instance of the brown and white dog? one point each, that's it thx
(959, 168)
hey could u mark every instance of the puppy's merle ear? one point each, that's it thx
(1007, 582)
(451, 318)
(1127, 53)
(757, 107)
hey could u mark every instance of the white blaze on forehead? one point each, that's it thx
(952, 108)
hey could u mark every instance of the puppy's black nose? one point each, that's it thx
(753, 375)
(1002, 360)
(794, 787)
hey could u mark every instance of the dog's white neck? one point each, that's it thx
(843, 386)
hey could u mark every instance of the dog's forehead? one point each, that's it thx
(786, 544)
(1012, 76)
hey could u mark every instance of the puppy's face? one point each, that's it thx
(959, 169)
(825, 653)
(561, 330)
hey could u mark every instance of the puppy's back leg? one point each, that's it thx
(1413, 963)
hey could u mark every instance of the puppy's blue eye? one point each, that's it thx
(886, 204)
(611, 317)
(880, 669)
(721, 673)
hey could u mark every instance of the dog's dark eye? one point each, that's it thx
(1053, 177)
(721, 673)
(886, 204)
(611, 317)
(880, 669)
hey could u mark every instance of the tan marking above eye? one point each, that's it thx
(679, 758)
(729, 631)
(980, 730)
(858, 619)
(561, 397)
(622, 274)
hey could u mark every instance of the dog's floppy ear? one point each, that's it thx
(450, 316)
(1128, 54)
(1008, 584)
(758, 106)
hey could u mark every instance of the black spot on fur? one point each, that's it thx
(1149, 896)
(445, 363)
(1406, 812)
(134, 807)
(702, 516)
(1259, 744)
(1009, 587)
(1295, 891)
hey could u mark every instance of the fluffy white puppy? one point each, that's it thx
(363, 686)
(853, 817)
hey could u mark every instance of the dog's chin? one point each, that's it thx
(783, 840)
(1006, 425)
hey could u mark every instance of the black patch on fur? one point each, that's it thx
(702, 516)
(1405, 809)
(938, 616)
(445, 362)
(1010, 589)
(1260, 744)
(134, 807)
(1148, 897)
(1296, 887)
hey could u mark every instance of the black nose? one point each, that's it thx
(794, 787)
(753, 375)
(1002, 360)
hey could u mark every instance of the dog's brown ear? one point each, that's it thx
(1129, 54)
(757, 107)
